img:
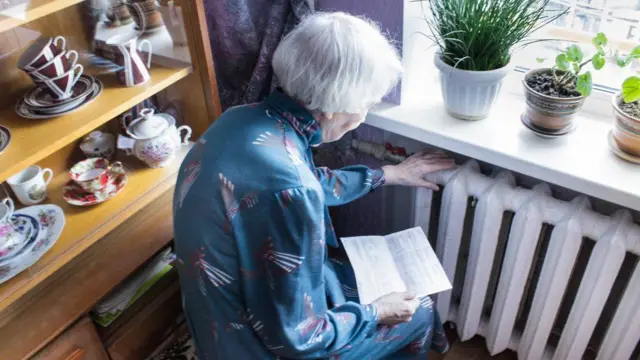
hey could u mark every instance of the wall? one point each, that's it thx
(387, 13)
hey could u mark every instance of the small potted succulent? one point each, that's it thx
(554, 95)
(475, 41)
(626, 109)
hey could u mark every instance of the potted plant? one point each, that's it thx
(626, 109)
(475, 41)
(554, 95)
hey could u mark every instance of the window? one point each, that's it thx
(618, 19)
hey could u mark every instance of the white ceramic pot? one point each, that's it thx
(154, 138)
(469, 95)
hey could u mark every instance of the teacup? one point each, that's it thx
(59, 65)
(119, 15)
(30, 185)
(93, 174)
(145, 14)
(61, 87)
(41, 52)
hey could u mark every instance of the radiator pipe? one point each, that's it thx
(382, 152)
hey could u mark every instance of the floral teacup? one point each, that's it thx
(93, 174)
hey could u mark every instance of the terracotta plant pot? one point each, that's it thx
(549, 112)
(626, 132)
(469, 95)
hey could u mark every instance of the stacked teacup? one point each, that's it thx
(51, 66)
(61, 87)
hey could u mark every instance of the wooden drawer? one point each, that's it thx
(79, 342)
(146, 330)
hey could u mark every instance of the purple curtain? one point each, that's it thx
(244, 35)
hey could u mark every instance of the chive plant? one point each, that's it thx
(482, 35)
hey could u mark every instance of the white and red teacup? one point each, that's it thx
(93, 174)
(41, 52)
(60, 64)
(61, 87)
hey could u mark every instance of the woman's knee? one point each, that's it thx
(422, 320)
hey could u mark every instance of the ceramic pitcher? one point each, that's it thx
(127, 55)
(154, 138)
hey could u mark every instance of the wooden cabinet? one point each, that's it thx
(103, 244)
(148, 327)
(79, 342)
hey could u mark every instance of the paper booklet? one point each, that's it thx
(395, 263)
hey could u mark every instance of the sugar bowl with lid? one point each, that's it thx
(98, 144)
(153, 138)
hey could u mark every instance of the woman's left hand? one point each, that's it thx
(412, 171)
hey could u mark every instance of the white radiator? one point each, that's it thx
(516, 304)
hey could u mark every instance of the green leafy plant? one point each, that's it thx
(482, 35)
(631, 85)
(631, 89)
(572, 62)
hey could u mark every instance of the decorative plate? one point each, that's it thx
(29, 112)
(77, 196)
(546, 133)
(22, 231)
(5, 138)
(619, 152)
(39, 98)
(51, 220)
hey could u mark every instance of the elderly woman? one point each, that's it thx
(251, 219)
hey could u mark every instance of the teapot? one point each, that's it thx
(154, 138)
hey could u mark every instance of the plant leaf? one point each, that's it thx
(631, 89)
(635, 52)
(574, 53)
(620, 60)
(584, 84)
(562, 62)
(597, 61)
(540, 60)
(600, 39)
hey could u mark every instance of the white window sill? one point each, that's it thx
(581, 161)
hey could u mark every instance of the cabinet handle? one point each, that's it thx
(76, 354)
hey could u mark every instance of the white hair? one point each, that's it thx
(335, 62)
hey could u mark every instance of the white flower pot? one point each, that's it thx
(469, 95)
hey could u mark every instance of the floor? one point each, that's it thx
(474, 349)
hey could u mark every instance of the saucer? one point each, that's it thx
(5, 138)
(22, 231)
(50, 220)
(546, 133)
(77, 196)
(41, 99)
(30, 112)
(619, 152)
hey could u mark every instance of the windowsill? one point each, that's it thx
(581, 161)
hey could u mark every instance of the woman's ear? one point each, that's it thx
(323, 117)
(328, 115)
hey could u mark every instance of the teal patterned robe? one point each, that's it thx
(251, 233)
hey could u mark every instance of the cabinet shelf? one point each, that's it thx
(86, 225)
(34, 140)
(13, 16)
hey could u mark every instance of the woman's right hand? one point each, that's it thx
(396, 308)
